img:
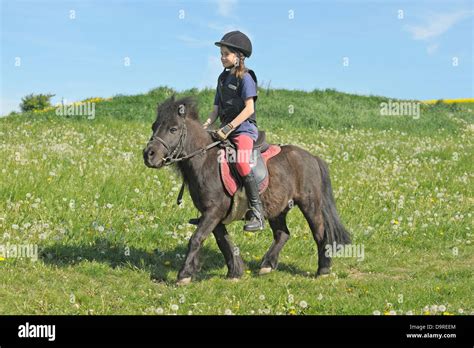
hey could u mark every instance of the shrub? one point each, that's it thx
(36, 102)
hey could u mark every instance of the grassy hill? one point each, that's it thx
(112, 239)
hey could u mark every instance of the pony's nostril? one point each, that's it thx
(151, 153)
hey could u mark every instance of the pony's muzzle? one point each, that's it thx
(152, 158)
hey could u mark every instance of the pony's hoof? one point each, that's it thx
(323, 272)
(184, 281)
(264, 270)
(234, 280)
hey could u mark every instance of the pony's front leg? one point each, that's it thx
(208, 221)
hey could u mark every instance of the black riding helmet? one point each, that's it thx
(237, 40)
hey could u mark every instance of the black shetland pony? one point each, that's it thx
(295, 176)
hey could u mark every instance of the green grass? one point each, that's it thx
(112, 239)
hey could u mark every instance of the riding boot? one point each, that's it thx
(257, 219)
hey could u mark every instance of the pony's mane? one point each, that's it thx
(171, 106)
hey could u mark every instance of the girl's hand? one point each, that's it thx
(224, 132)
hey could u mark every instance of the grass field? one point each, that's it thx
(111, 238)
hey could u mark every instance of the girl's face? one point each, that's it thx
(228, 58)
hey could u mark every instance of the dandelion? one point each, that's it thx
(460, 311)
(174, 307)
(409, 313)
(442, 308)
(262, 297)
(15, 226)
(109, 205)
(303, 304)
(100, 228)
(159, 311)
(137, 190)
(228, 312)
(291, 298)
(320, 297)
(392, 312)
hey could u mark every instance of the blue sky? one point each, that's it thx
(423, 52)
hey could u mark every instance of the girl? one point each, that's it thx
(234, 103)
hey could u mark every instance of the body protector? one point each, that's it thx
(230, 102)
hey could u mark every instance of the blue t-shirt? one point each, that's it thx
(249, 90)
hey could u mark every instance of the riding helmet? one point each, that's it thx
(237, 40)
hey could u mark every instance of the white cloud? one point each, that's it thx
(226, 7)
(437, 24)
(190, 41)
(431, 49)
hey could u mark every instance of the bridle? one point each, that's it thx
(174, 155)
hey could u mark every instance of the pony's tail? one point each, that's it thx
(334, 230)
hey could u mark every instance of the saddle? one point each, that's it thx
(262, 152)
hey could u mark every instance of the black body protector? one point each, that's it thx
(230, 102)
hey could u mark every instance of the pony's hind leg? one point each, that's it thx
(280, 236)
(314, 216)
(232, 257)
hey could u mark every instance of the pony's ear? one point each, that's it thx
(173, 97)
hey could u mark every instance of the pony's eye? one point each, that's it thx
(173, 130)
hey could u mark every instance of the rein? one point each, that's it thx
(178, 151)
